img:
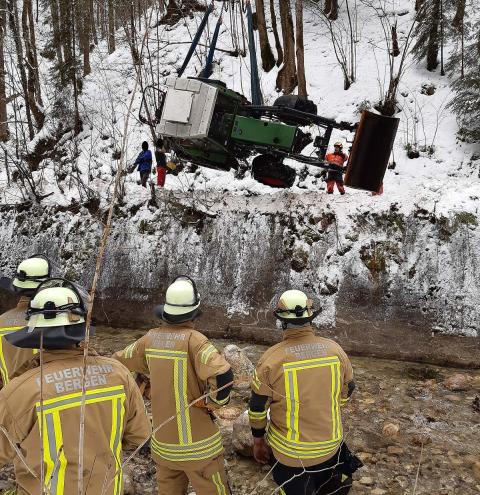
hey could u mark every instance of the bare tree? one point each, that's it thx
(344, 37)
(4, 131)
(111, 27)
(268, 60)
(85, 36)
(396, 65)
(278, 44)
(287, 75)
(302, 83)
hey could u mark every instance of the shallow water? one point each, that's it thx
(409, 395)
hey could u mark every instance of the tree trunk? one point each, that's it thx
(302, 83)
(85, 36)
(93, 27)
(4, 131)
(73, 73)
(56, 32)
(14, 27)
(268, 60)
(332, 14)
(32, 51)
(287, 76)
(33, 83)
(111, 27)
(278, 45)
(457, 22)
(433, 37)
(101, 18)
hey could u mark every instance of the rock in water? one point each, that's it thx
(242, 439)
(458, 382)
(242, 367)
(390, 430)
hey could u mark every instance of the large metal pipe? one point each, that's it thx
(371, 151)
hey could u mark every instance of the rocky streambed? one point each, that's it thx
(413, 425)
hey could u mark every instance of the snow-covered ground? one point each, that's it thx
(447, 180)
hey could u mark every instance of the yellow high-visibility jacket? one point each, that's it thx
(183, 365)
(303, 381)
(12, 358)
(115, 417)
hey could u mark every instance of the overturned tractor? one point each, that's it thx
(207, 124)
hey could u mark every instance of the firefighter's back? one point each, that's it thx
(308, 376)
(112, 414)
(176, 381)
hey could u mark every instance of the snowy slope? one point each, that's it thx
(107, 92)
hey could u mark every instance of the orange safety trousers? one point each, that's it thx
(331, 185)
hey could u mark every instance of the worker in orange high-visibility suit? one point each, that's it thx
(183, 366)
(337, 159)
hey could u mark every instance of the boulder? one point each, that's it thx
(390, 430)
(458, 382)
(241, 365)
(242, 439)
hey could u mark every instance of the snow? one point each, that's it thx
(443, 185)
(108, 89)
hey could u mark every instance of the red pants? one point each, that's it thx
(331, 185)
(161, 173)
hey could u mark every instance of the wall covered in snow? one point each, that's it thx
(374, 263)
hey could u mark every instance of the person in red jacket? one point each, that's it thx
(337, 158)
(161, 160)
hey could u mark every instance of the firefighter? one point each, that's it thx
(183, 366)
(303, 381)
(337, 159)
(28, 276)
(40, 410)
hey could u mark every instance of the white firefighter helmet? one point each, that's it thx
(30, 273)
(181, 301)
(57, 314)
(295, 307)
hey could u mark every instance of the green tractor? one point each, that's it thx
(205, 123)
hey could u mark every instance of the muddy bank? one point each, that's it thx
(387, 276)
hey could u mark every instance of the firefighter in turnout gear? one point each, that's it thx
(337, 160)
(303, 381)
(183, 366)
(28, 276)
(40, 410)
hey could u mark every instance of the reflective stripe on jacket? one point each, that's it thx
(305, 378)
(12, 358)
(115, 416)
(182, 365)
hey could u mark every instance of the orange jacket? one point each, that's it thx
(336, 158)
